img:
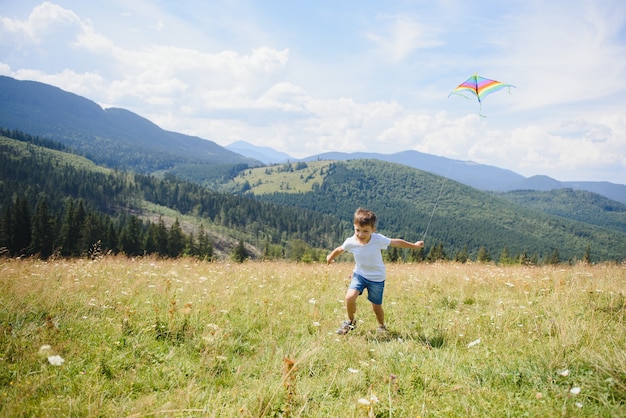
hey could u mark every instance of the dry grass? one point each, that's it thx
(148, 337)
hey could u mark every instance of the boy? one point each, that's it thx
(369, 270)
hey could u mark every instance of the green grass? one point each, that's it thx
(21, 150)
(279, 179)
(147, 337)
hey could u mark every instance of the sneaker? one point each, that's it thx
(381, 329)
(345, 327)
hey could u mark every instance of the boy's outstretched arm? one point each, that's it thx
(400, 243)
(334, 253)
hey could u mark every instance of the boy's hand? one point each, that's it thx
(420, 244)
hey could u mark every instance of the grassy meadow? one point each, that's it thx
(119, 337)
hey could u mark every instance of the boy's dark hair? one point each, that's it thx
(364, 217)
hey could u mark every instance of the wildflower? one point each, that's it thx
(312, 301)
(351, 370)
(317, 324)
(364, 402)
(45, 349)
(473, 343)
(56, 360)
(564, 373)
(575, 390)
(579, 404)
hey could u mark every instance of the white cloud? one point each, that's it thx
(567, 54)
(186, 73)
(398, 36)
(45, 21)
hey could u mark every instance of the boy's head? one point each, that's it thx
(364, 217)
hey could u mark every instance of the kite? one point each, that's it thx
(480, 87)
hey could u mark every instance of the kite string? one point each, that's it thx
(443, 182)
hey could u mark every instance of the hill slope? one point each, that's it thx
(480, 176)
(412, 203)
(578, 205)
(112, 137)
(32, 174)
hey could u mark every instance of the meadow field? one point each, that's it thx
(143, 337)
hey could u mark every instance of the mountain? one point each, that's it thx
(297, 210)
(613, 191)
(119, 138)
(480, 176)
(112, 137)
(78, 203)
(266, 155)
(414, 204)
(578, 205)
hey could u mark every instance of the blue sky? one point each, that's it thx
(306, 77)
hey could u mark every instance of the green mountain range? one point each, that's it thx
(67, 152)
(417, 205)
(113, 137)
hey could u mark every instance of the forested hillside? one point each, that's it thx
(57, 203)
(116, 138)
(53, 202)
(464, 221)
(578, 205)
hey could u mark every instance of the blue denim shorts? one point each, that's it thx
(374, 289)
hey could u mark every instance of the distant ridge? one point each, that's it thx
(480, 176)
(119, 138)
(266, 155)
(113, 137)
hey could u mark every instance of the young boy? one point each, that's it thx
(369, 270)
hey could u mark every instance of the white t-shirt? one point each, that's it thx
(368, 257)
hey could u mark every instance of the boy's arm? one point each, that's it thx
(400, 243)
(334, 253)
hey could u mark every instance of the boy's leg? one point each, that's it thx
(346, 326)
(351, 296)
(380, 314)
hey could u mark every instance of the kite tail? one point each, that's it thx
(480, 110)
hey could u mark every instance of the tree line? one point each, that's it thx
(80, 231)
(50, 204)
(38, 184)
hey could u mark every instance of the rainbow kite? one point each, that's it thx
(480, 87)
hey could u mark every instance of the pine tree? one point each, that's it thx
(554, 258)
(176, 240)
(21, 227)
(71, 228)
(204, 248)
(505, 258)
(42, 232)
(130, 240)
(436, 253)
(587, 256)
(393, 254)
(6, 230)
(462, 256)
(150, 245)
(161, 239)
(483, 255)
(239, 253)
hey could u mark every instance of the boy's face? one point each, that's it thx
(363, 233)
